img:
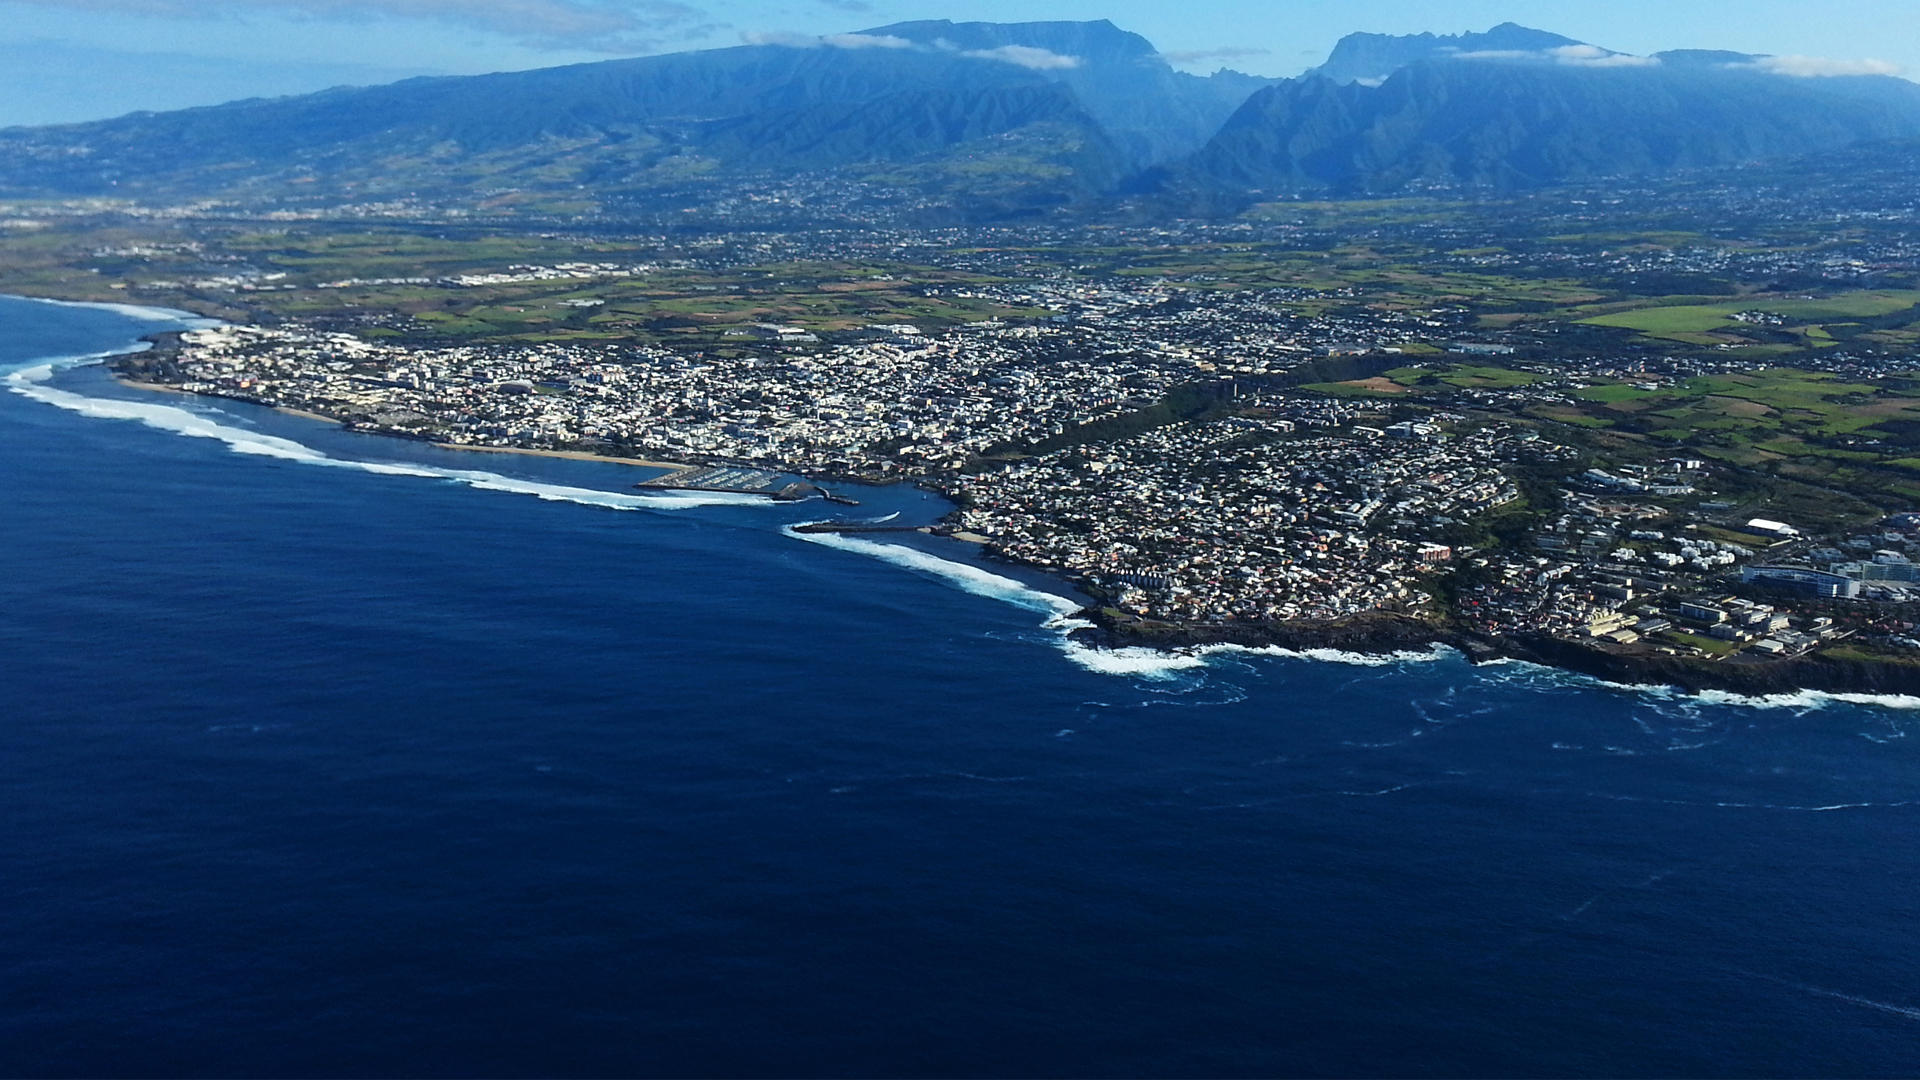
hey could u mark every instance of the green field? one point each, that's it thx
(1683, 319)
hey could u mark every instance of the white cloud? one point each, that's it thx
(1023, 55)
(1609, 61)
(1571, 55)
(611, 25)
(866, 41)
(1810, 67)
(1198, 55)
(780, 37)
(1027, 57)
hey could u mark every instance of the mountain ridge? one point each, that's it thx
(1005, 118)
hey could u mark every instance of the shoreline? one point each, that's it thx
(1385, 634)
(1371, 633)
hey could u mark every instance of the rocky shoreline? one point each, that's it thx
(1381, 634)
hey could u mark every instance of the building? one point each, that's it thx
(1801, 579)
(1702, 613)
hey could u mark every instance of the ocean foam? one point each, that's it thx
(968, 578)
(1338, 656)
(1138, 663)
(30, 382)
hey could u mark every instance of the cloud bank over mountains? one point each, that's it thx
(1597, 57)
(1818, 67)
(1026, 56)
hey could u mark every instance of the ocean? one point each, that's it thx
(323, 754)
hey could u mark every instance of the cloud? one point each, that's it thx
(1024, 55)
(1595, 56)
(830, 41)
(781, 37)
(1497, 54)
(1814, 67)
(608, 25)
(849, 5)
(1198, 55)
(1570, 55)
(1027, 57)
(866, 41)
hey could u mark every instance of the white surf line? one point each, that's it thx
(1802, 700)
(30, 382)
(1140, 663)
(1337, 656)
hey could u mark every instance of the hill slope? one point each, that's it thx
(1059, 110)
(618, 124)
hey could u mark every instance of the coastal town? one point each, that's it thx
(1175, 461)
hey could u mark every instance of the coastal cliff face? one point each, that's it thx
(1382, 634)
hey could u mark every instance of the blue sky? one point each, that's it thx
(63, 60)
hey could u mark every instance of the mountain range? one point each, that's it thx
(1010, 118)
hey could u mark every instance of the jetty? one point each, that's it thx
(869, 527)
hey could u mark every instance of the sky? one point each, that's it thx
(70, 60)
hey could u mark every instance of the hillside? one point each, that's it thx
(1032, 114)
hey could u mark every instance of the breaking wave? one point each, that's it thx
(1338, 656)
(1138, 663)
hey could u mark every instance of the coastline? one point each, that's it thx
(1384, 634)
(1372, 633)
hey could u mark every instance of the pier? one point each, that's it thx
(865, 527)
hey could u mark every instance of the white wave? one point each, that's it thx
(31, 383)
(1139, 663)
(968, 578)
(1135, 661)
(1339, 656)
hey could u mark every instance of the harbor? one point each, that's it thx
(739, 480)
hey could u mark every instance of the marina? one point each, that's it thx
(738, 480)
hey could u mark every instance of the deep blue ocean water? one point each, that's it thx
(485, 765)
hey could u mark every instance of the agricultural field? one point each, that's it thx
(1807, 426)
(1743, 321)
